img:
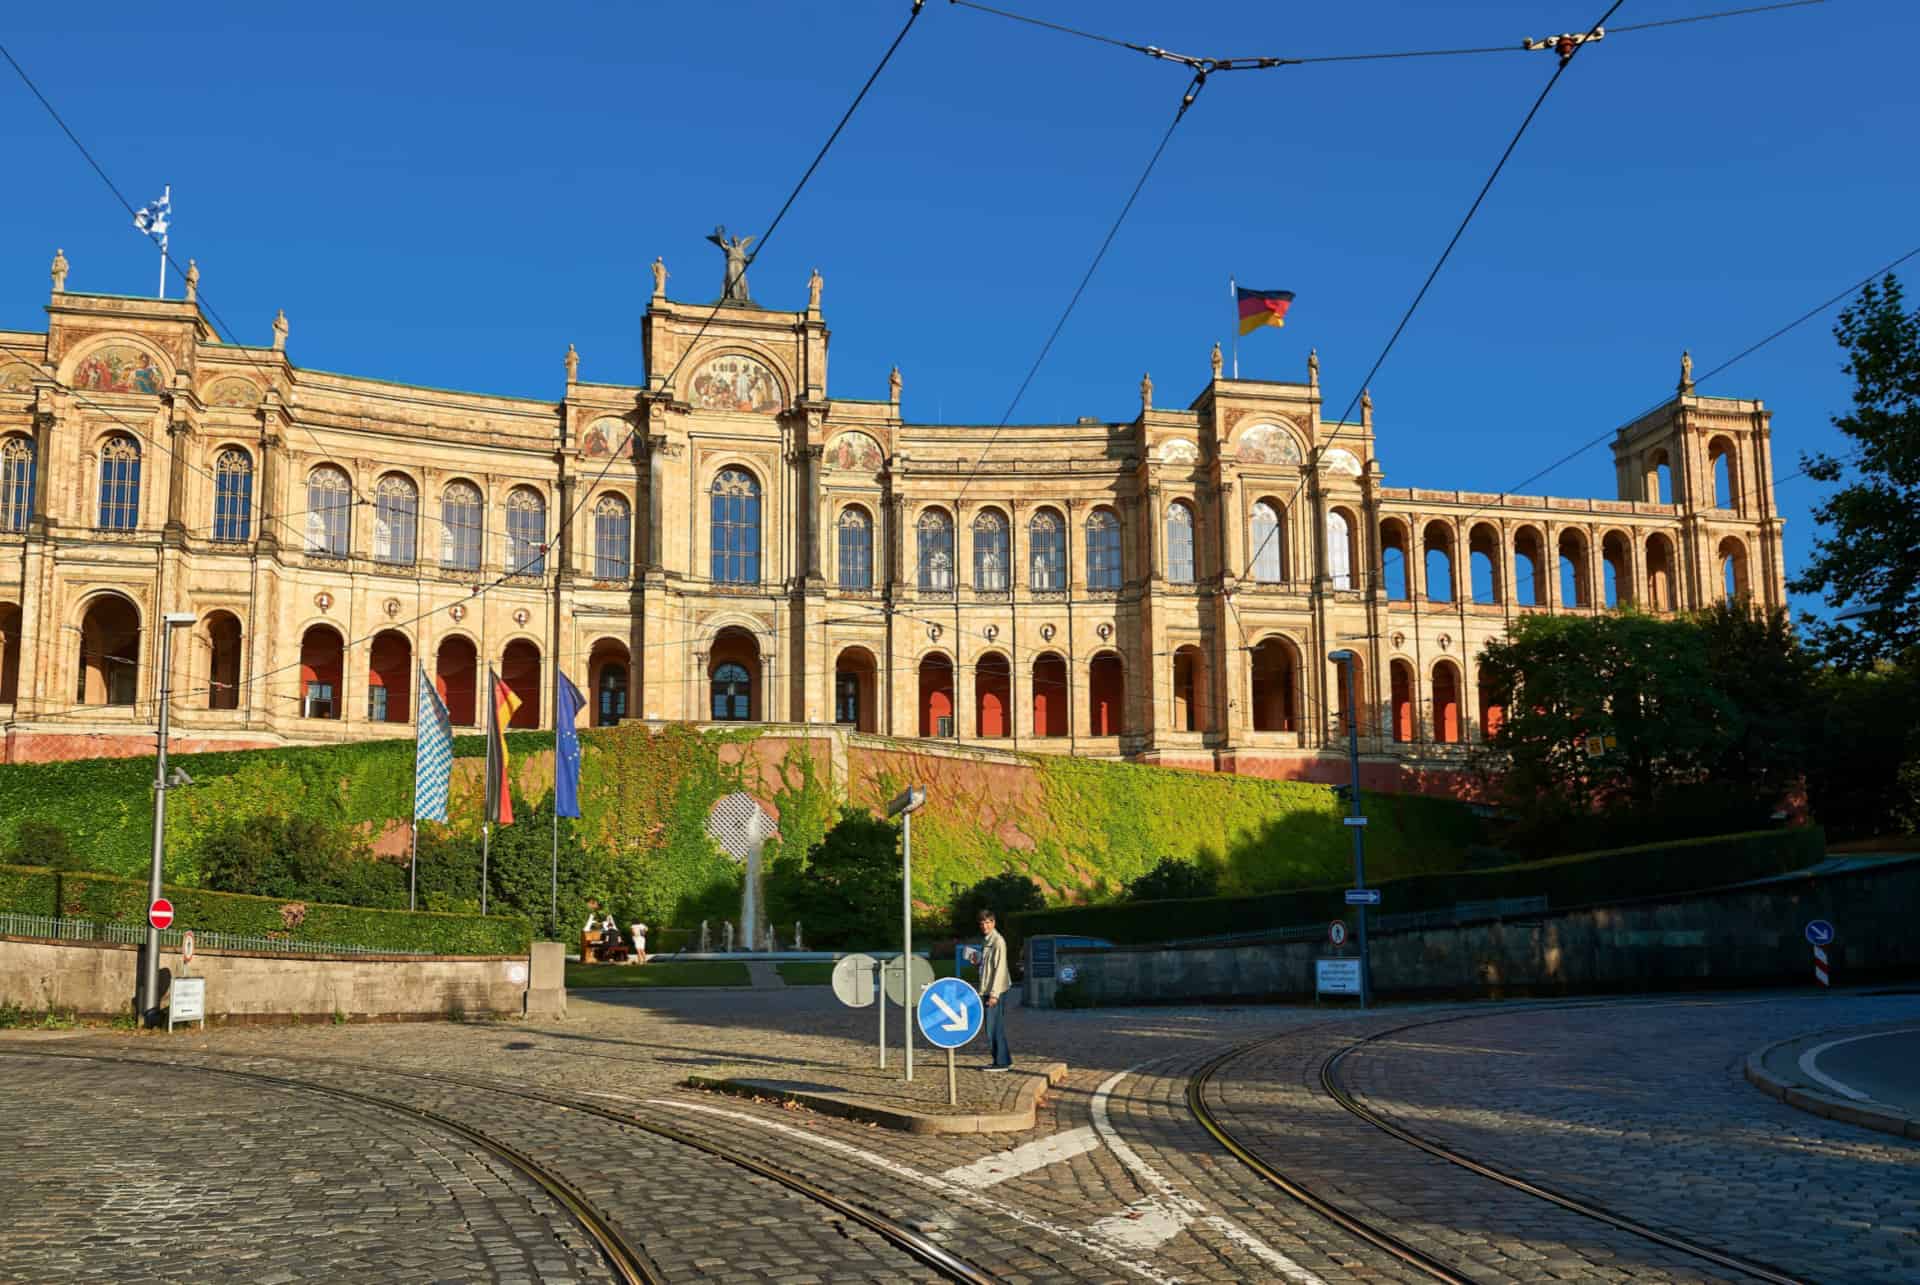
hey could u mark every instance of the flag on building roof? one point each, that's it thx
(566, 751)
(432, 753)
(500, 711)
(153, 217)
(1261, 308)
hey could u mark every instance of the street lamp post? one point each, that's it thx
(904, 805)
(150, 967)
(1356, 821)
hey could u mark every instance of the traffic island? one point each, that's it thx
(1793, 1071)
(989, 1102)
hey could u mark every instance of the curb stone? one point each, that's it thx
(1825, 1105)
(847, 1107)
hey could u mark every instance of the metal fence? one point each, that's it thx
(52, 929)
(1460, 913)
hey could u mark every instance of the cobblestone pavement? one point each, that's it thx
(1118, 1182)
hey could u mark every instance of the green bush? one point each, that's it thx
(1003, 894)
(104, 899)
(1173, 879)
(38, 843)
(1582, 879)
(298, 856)
(848, 892)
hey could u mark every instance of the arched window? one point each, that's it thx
(16, 483)
(1438, 562)
(1724, 464)
(1047, 538)
(611, 705)
(935, 550)
(736, 529)
(990, 558)
(460, 526)
(855, 560)
(1339, 549)
(526, 532)
(1179, 543)
(396, 519)
(1393, 561)
(329, 511)
(612, 538)
(1103, 550)
(1268, 568)
(732, 693)
(232, 496)
(119, 483)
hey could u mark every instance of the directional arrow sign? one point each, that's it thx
(1363, 896)
(950, 1013)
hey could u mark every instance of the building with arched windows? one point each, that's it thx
(724, 537)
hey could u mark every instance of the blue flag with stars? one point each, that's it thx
(432, 754)
(566, 755)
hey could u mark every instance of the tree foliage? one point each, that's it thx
(1172, 879)
(848, 893)
(1869, 551)
(1865, 778)
(1004, 894)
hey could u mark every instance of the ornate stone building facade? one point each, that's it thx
(731, 541)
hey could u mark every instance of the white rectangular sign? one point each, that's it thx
(187, 1000)
(1336, 976)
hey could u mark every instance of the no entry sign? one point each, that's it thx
(160, 913)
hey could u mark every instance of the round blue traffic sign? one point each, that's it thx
(1819, 932)
(950, 1013)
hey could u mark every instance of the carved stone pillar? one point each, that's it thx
(179, 442)
(810, 508)
(651, 481)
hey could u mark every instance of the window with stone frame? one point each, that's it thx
(612, 538)
(935, 550)
(854, 560)
(1103, 550)
(462, 519)
(17, 476)
(329, 511)
(1180, 543)
(736, 527)
(396, 520)
(119, 483)
(232, 496)
(1047, 541)
(990, 556)
(526, 532)
(1269, 564)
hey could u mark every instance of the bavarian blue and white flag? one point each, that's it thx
(432, 754)
(153, 218)
(566, 752)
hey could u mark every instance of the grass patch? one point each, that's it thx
(695, 972)
(820, 972)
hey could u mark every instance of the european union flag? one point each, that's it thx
(566, 752)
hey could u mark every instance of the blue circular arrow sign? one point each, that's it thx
(1819, 932)
(950, 1013)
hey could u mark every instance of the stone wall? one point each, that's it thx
(1749, 935)
(100, 979)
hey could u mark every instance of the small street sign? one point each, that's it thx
(1363, 896)
(1354, 821)
(1068, 973)
(922, 978)
(853, 980)
(187, 1001)
(160, 913)
(186, 948)
(1337, 932)
(950, 1013)
(1819, 932)
(1336, 976)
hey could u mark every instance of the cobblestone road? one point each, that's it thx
(1639, 1106)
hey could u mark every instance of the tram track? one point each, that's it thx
(1381, 1237)
(628, 1262)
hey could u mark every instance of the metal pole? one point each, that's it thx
(907, 997)
(413, 865)
(150, 967)
(880, 1002)
(553, 893)
(953, 1091)
(486, 840)
(1359, 832)
(1233, 292)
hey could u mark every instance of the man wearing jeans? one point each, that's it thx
(995, 982)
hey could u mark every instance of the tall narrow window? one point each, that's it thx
(855, 561)
(526, 532)
(1267, 567)
(1103, 550)
(935, 550)
(990, 551)
(613, 695)
(1340, 549)
(460, 525)
(396, 520)
(119, 483)
(16, 483)
(232, 496)
(736, 528)
(732, 693)
(1179, 543)
(612, 538)
(1048, 537)
(329, 511)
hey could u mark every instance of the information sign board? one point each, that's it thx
(922, 978)
(1336, 976)
(1041, 956)
(187, 1001)
(853, 980)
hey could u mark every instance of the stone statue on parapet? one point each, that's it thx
(59, 271)
(1146, 392)
(737, 260)
(659, 277)
(193, 281)
(893, 386)
(1313, 367)
(1686, 373)
(573, 364)
(1217, 363)
(813, 291)
(280, 330)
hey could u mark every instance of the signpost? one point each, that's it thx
(1337, 933)
(1363, 896)
(904, 805)
(1068, 974)
(1356, 821)
(1336, 977)
(856, 983)
(1820, 936)
(906, 991)
(950, 1014)
(186, 948)
(160, 914)
(187, 1001)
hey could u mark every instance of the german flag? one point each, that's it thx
(500, 712)
(1262, 308)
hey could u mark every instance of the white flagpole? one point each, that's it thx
(166, 201)
(486, 840)
(553, 893)
(1233, 292)
(413, 821)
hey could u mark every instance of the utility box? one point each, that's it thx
(1040, 962)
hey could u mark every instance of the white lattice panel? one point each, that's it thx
(739, 825)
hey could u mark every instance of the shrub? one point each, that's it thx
(848, 893)
(298, 856)
(1004, 894)
(1174, 878)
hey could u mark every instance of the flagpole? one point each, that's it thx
(413, 818)
(486, 839)
(553, 893)
(166, 200)
(1233, 292)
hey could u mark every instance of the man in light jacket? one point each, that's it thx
(995, 982)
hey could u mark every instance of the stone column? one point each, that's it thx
(179, 442)
(810, 457)
(651, 515)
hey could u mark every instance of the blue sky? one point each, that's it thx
(451, 194)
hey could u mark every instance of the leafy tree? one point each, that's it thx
(1002, 893)
(298, 857)
(1864, 778)
(848, 893)
(39, 843)
(1869, 553)
(1757, 663)
(520, 873)
(1173, 878)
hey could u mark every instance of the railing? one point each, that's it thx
(1461, 912)
(53, 929)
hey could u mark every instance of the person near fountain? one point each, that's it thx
(995, 982)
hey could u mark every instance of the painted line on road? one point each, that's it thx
(952, 1191)
(1172, 1203)
(1002, 1165)
(1809, 1061)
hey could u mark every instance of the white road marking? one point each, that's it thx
(953, 1191)
(1002, 1165)
(1171, 1203)
(1145, 1226)
(1809, 1061)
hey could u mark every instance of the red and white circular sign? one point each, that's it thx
(1337, 932)
(186, 947)
(160, 913)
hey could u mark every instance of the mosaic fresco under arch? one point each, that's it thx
(855, 452)
(736, 383)
(1339, 460)
(14, 375)
(120, 368)
(1268, 444)
(234, 392)
(604, 437)
(1179, 451)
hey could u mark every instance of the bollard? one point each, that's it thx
(1820, 966)
(728, 947)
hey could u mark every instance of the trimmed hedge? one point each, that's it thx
(1619, 874)
(30, 890)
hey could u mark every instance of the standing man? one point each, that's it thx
(995, 982)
